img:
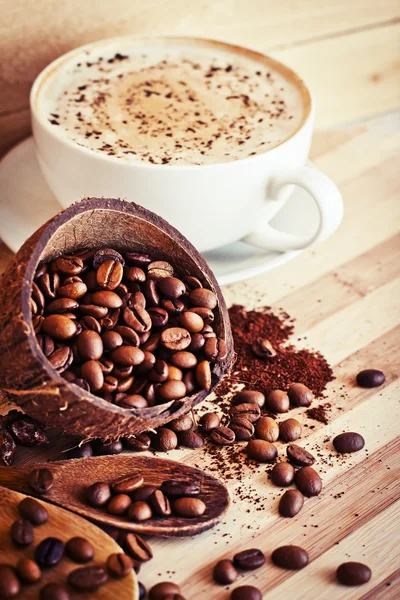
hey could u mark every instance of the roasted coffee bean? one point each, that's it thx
(135, 274)
(248, 560)
(69, 265)
(184, 360)
(91, 372)
(109, 274)
(72, 289)
(159, 372)
(197, 343)
(348, 442)
(191, 321)
(139, 511)
(124, 385)
(246, 592)
(110, 385)
(263, 348)
(189, 379)
(61, 358)
(190, 439)
(59, 327)
(183, 423)
(82, 451)
(46, 344)
(79, 550)
(82, 383)
(189, 507)
(353, 573)
(222, 436)
(370, 378)
(119, 565)
(208, 422)
(162, 589)
(267, 429)
(87, 579)
(127, 355)
(127, 484)
(10, 587)
(176, 489)
(242, 428)
(41, 480)
(136, 547)
(203, 298)
(251, 412)
(261, 451)
(142, 591)
(49, 552)
(129, 335)
(143, 493)
(298, 456)
(7, 447)
(173, 307)
(203, 375)
(290, 557)
(140, 441)
(49, 284)
(308, 481)
(92, 310)
(28, 571)
(172, 389)
(151, 293)
(111, 340)
(215, 350)
(106, 254)
(277, 401)
(171, 287)
(159, 316)
(98, 494)
(22, 532)
(91, 323)
(138, 259)
(38, 297)
(300, 395)
(89, 345)
(291, 503)
(289, 430)
(33, 511)
(135, 314)
(160, 504)
(159, 269)
(282, 474)
(249, 397)
(165, 440)
(54, 591)
(107, 366)
(119, 504)
(175, 338)
(225, 572)
(61, 306)
(108, 448)
(107, 299)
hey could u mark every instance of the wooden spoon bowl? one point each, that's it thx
(62, 525)
(72, 477)
(27, 377)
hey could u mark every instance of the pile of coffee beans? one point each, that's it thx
(124, 327)
(132, 498)
(48, 553)
(226, 571)
(17, 429)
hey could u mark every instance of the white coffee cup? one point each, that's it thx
(212, 204)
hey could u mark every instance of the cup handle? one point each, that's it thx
(325, 195)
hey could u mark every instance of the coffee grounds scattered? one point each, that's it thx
(319, 413)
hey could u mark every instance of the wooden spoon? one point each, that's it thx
(62, 525)
(72, 477)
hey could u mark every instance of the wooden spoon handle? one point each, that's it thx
(16, 478)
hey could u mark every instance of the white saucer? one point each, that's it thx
(26, 202)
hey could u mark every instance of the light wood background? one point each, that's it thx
(348, 51)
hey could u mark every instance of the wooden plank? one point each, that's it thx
(374, 544)
(388, 589)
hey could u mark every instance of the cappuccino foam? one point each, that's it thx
(174, 102)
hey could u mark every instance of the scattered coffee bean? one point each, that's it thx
(139, 442)
(282, 474)
(136, 547)
(290, 557)
(98, 494)
(289, 430)
(190, 439)
(87, 579)
(348, 442)
(225, 572)
(108, 448)
(353, 573)
(119, 565)
(79, 550)
(165, 440)
(298, 456)
(251, 412)
(263, 348)
(162, 589)
(277, 401)
(22, 532)
(127, 484)
(183, 423)
(139, 511)
(370, 378)
(300, 395)
(33, 511)
(208, 422)
(119, 504)
(308, 481)
(267, 429)
(261, 451)
(248, 560)
(160, 504)
(246, 592)
(291, 503)
(10, 586)
(189, 507)
(41, 480)
(222, 436)
(249, 397)
(49, 552)
(28, 571)
(242, 428)
(54, 591)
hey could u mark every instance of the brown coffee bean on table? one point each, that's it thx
(308, 481)
(28, 571)
(136, 547)
(277, 401)
(290, 557)
(54, 591)
(348, 442)
(242, 428)
(300, 395)
(261, 451)
(183, 423)
(22, 532)
(10, 586)
(98, 494)
(41, 480)
(298, 456)
(263, 348)
(119, 565)
(282, 474)
(249, 397)
(165, 440)
(225, 572)
(250, 411)
(163, 589)
(172, 390)
(222, 436)
(190, 439)
(49, 552)
(139, 511)
(209, 421)
(189, 507)
(246, 592)
(33, 511)
(370, 378)
(353, 573)
(291, 503)
(119, 504)
(250, 559)
(267, 429)
(79, 549)
(87, 579)
(289, 430)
